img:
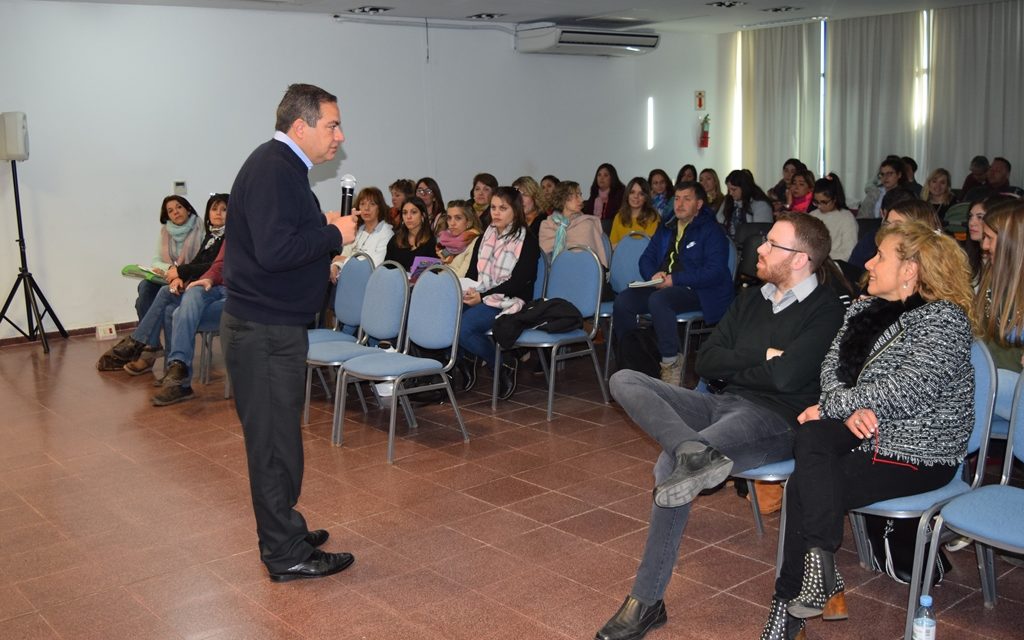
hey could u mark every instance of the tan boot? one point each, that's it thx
(769, 496)
(672, 373)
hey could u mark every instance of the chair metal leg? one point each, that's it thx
(410, 416)
(337, 434)
(362, 399)
(860, 539)
(455, 406)
(494, 383)
(779, 553)
(987, 571)
(391, 424)
(755, 507)
(601, 379)
(608, 349)
(323, 382)
(686, 349)
(551, 381)
(916, 573)
(309, 390)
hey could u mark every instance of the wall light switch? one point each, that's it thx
(180, 188)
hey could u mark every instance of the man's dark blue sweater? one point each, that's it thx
(277, 264)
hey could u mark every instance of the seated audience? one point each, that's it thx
(662, 197)
(636, 213)
(457, 240)
(744, 202)
(401, 190)
(534, 202)
(937, 192)
(568, 225)
(893, 419)
(548, 184)
(504, 266)
(779, 194)
(690, 259)
(712, 186)
(977, 175)
(181, 235)
(176, 385)
(998, 177)
(429, 192)
(909, 172)
(800, 188)
(764, 357)
(414, 237)
(484, 185)
(891, 176)
(686, 173)
(976, 228)
(912, 209)
(999, 301)
(136, 353)
(830, 208)
(372, 232)
(866, 245)
(606, 193)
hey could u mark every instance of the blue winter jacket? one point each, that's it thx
(702, 261)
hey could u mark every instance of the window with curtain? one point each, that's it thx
(780, 83)
(871, 64)
(977, 96)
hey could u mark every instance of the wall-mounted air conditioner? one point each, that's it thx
(588, 42)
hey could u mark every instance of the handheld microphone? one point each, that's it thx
(348, 191)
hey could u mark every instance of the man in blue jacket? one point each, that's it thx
(690, 257)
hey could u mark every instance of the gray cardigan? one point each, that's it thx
(918, 380)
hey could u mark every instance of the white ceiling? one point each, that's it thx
(660, 15)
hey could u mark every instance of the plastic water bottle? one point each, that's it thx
(924, 620)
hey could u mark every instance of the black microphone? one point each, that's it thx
(348, 191)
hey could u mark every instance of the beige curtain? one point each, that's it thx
(871, 64)
(977, 81)
(780, 72)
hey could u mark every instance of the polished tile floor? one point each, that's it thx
(121, 520)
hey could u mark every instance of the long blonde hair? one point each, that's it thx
(1000, 299)
(942, 269)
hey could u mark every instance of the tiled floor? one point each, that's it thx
(120, 520)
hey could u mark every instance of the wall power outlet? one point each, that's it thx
(105, 332)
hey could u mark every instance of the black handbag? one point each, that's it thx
(892, 548)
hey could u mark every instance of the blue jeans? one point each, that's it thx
(161, 306)
(185, 323)
(147, 292)
(745, 432)
(663, 305)
(476, 322)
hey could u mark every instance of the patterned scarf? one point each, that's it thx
(180, 243)
(450, 245)
(497, 258)
(562, 229)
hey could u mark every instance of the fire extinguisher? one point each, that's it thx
(705, 129)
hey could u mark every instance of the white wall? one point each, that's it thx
(123, 100)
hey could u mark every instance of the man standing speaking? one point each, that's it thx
(276, 269)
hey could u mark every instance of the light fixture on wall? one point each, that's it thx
(369, 10)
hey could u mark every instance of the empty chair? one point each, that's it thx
(348, 300)
(382, 318)
(993, 515)
(576, 276)
(433, 324)
(625, 269)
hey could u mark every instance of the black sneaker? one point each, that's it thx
(176, 374)
(173, 394)
(466, 366)
(127, 349)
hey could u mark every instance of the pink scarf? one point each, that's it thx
(450, 245)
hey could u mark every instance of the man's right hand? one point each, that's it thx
(346, 225)
(205, 283)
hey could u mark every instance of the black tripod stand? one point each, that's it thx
(32, 290)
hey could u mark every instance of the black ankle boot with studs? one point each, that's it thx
(822, 590)
(781, 625)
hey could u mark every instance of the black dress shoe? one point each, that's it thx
(317, 537)
(318, 565)
(466, 366)
(633, 620)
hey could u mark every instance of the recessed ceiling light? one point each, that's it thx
(485, 16)
(726, 5)
(782, 9)
(370, 11)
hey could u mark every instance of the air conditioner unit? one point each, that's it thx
(587, 42)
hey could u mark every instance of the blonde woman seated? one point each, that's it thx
(637, 212)
(893, 419)
(455, 243)
(372, 231)
(568, 225)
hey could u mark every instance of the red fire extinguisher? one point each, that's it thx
(705, 128)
